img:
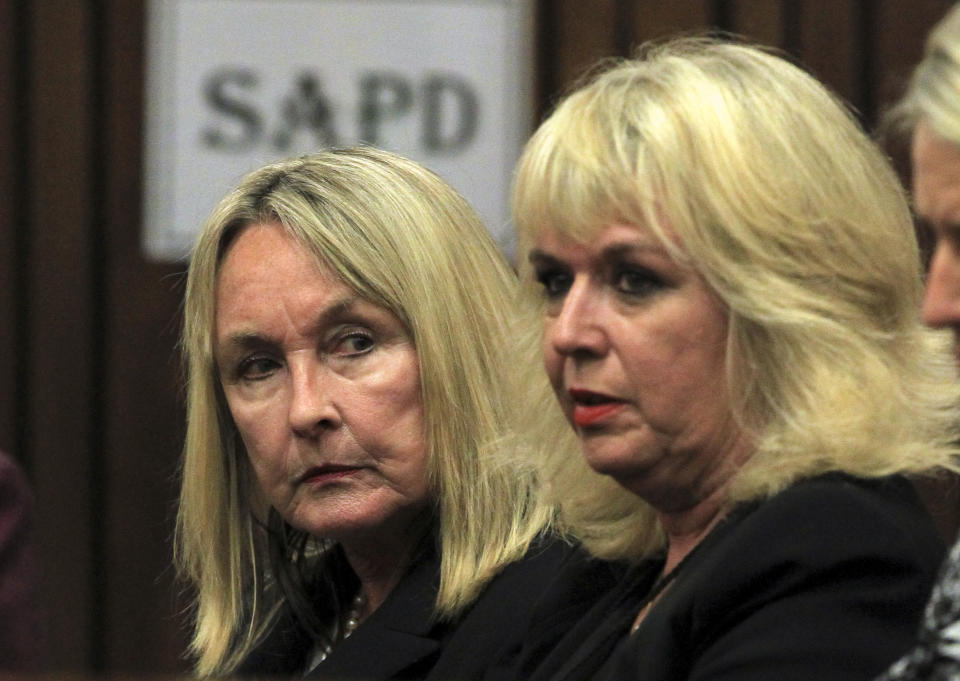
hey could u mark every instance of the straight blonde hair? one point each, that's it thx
(403, 239)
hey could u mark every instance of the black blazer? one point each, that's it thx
(825, 581)
(400, 640)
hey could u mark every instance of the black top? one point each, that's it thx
(825, 581)
(400, 640)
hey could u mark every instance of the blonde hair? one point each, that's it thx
(403, 239)
(795, 219)
(933, 93)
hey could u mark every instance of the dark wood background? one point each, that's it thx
(89, 370)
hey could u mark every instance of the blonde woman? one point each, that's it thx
(350, 504)
(730, 288)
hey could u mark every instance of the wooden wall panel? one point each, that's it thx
(761, 22)
(575, 34)
(9, 225)
(654, 19)
(896, 45)
(60, 321)
(897, 39)
(829, 45)
(142, 436)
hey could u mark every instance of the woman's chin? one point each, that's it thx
(615, 456)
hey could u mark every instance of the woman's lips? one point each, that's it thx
(322, 474)
(591, 408)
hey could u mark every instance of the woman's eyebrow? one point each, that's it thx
(621, 248)
(245, 340)
(612, 251)
(539, 257)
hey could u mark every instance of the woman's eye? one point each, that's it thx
(637, 281)
(554, 282)
(257, 368)
(355, 344)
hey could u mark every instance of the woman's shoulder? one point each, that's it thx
(554, 575)
(574, 579)
(836, 511)
(826, 579)
(882, 492)
(564, 559)
(818, 523)
(538, 597)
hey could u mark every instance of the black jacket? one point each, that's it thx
(400, 640)
(825, 581)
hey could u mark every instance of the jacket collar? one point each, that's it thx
(399, 634)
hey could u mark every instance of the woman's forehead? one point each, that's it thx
(659, 233)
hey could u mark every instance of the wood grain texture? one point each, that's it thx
(762, 22)
(143, 437)
(653, 19)
(11, 228)
(60, 334)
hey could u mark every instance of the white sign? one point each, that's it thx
(234, 84)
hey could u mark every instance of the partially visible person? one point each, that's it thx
(21, 631)
(730, 288)
(353, 504)
(932, 110)
(930, 113)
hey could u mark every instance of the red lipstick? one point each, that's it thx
(591, 408)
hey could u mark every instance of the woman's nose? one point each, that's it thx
(579, 328)
(312, 400)
(941, 301)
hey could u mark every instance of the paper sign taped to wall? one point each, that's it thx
(234, 84)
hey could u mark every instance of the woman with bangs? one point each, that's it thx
(729, 287)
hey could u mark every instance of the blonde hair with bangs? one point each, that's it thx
(757, 177)
(402, 238)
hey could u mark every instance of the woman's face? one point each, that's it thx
(324, 388)
(936, 194)
(634, 344)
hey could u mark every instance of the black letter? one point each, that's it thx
(215, 92)
(307, 108)
(465, 99)
(375, 107)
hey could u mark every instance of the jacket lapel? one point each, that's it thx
(398, 635)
